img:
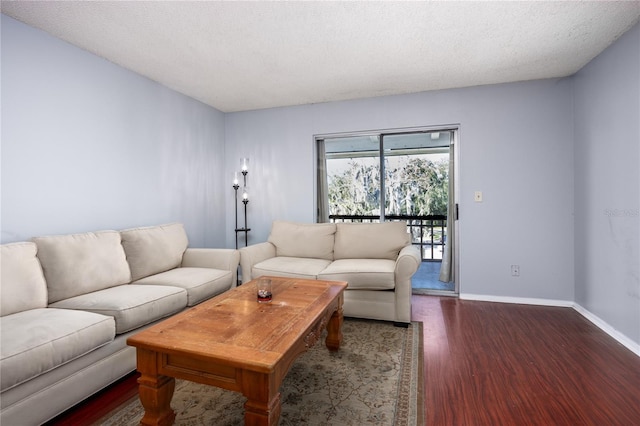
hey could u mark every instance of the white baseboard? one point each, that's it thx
(604, 326)
(517, 300)
(597, 321)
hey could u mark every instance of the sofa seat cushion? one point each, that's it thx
(295, 267)
(39, 340)
(362, 274)
(130, 305)
(201, 283)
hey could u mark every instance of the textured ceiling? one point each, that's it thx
(239, 56)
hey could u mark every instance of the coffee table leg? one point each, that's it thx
(155, 391)
(334, 330)
(263, 399)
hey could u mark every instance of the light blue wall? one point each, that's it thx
(516, 145)
(88, 145)
(607, 185)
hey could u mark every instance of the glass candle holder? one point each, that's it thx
(244, 164)
(264, 291)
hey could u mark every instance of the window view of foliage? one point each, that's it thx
(414, 186)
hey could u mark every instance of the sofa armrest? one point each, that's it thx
(407, 263)
(215, 258)
(253, 254)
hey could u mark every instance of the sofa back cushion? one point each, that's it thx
(22, 283)
(82, 263)
(370, 240)
(309, 240)
(154, 249)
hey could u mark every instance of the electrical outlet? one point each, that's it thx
(515, 270)
(477, 196)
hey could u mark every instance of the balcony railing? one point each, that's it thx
(427, 232)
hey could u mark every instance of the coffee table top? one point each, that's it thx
(233, 328)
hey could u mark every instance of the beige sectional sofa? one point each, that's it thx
(69, 302)
(376, 259)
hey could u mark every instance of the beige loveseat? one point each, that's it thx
(69, 302)
(376, 259)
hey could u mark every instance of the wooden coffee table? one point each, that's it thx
(234, 342)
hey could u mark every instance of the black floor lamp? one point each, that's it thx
(244, 166)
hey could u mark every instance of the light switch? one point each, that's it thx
(477, 197)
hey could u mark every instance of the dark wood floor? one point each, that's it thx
(505, 364)
(499, 364)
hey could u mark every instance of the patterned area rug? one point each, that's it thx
(375, 378)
